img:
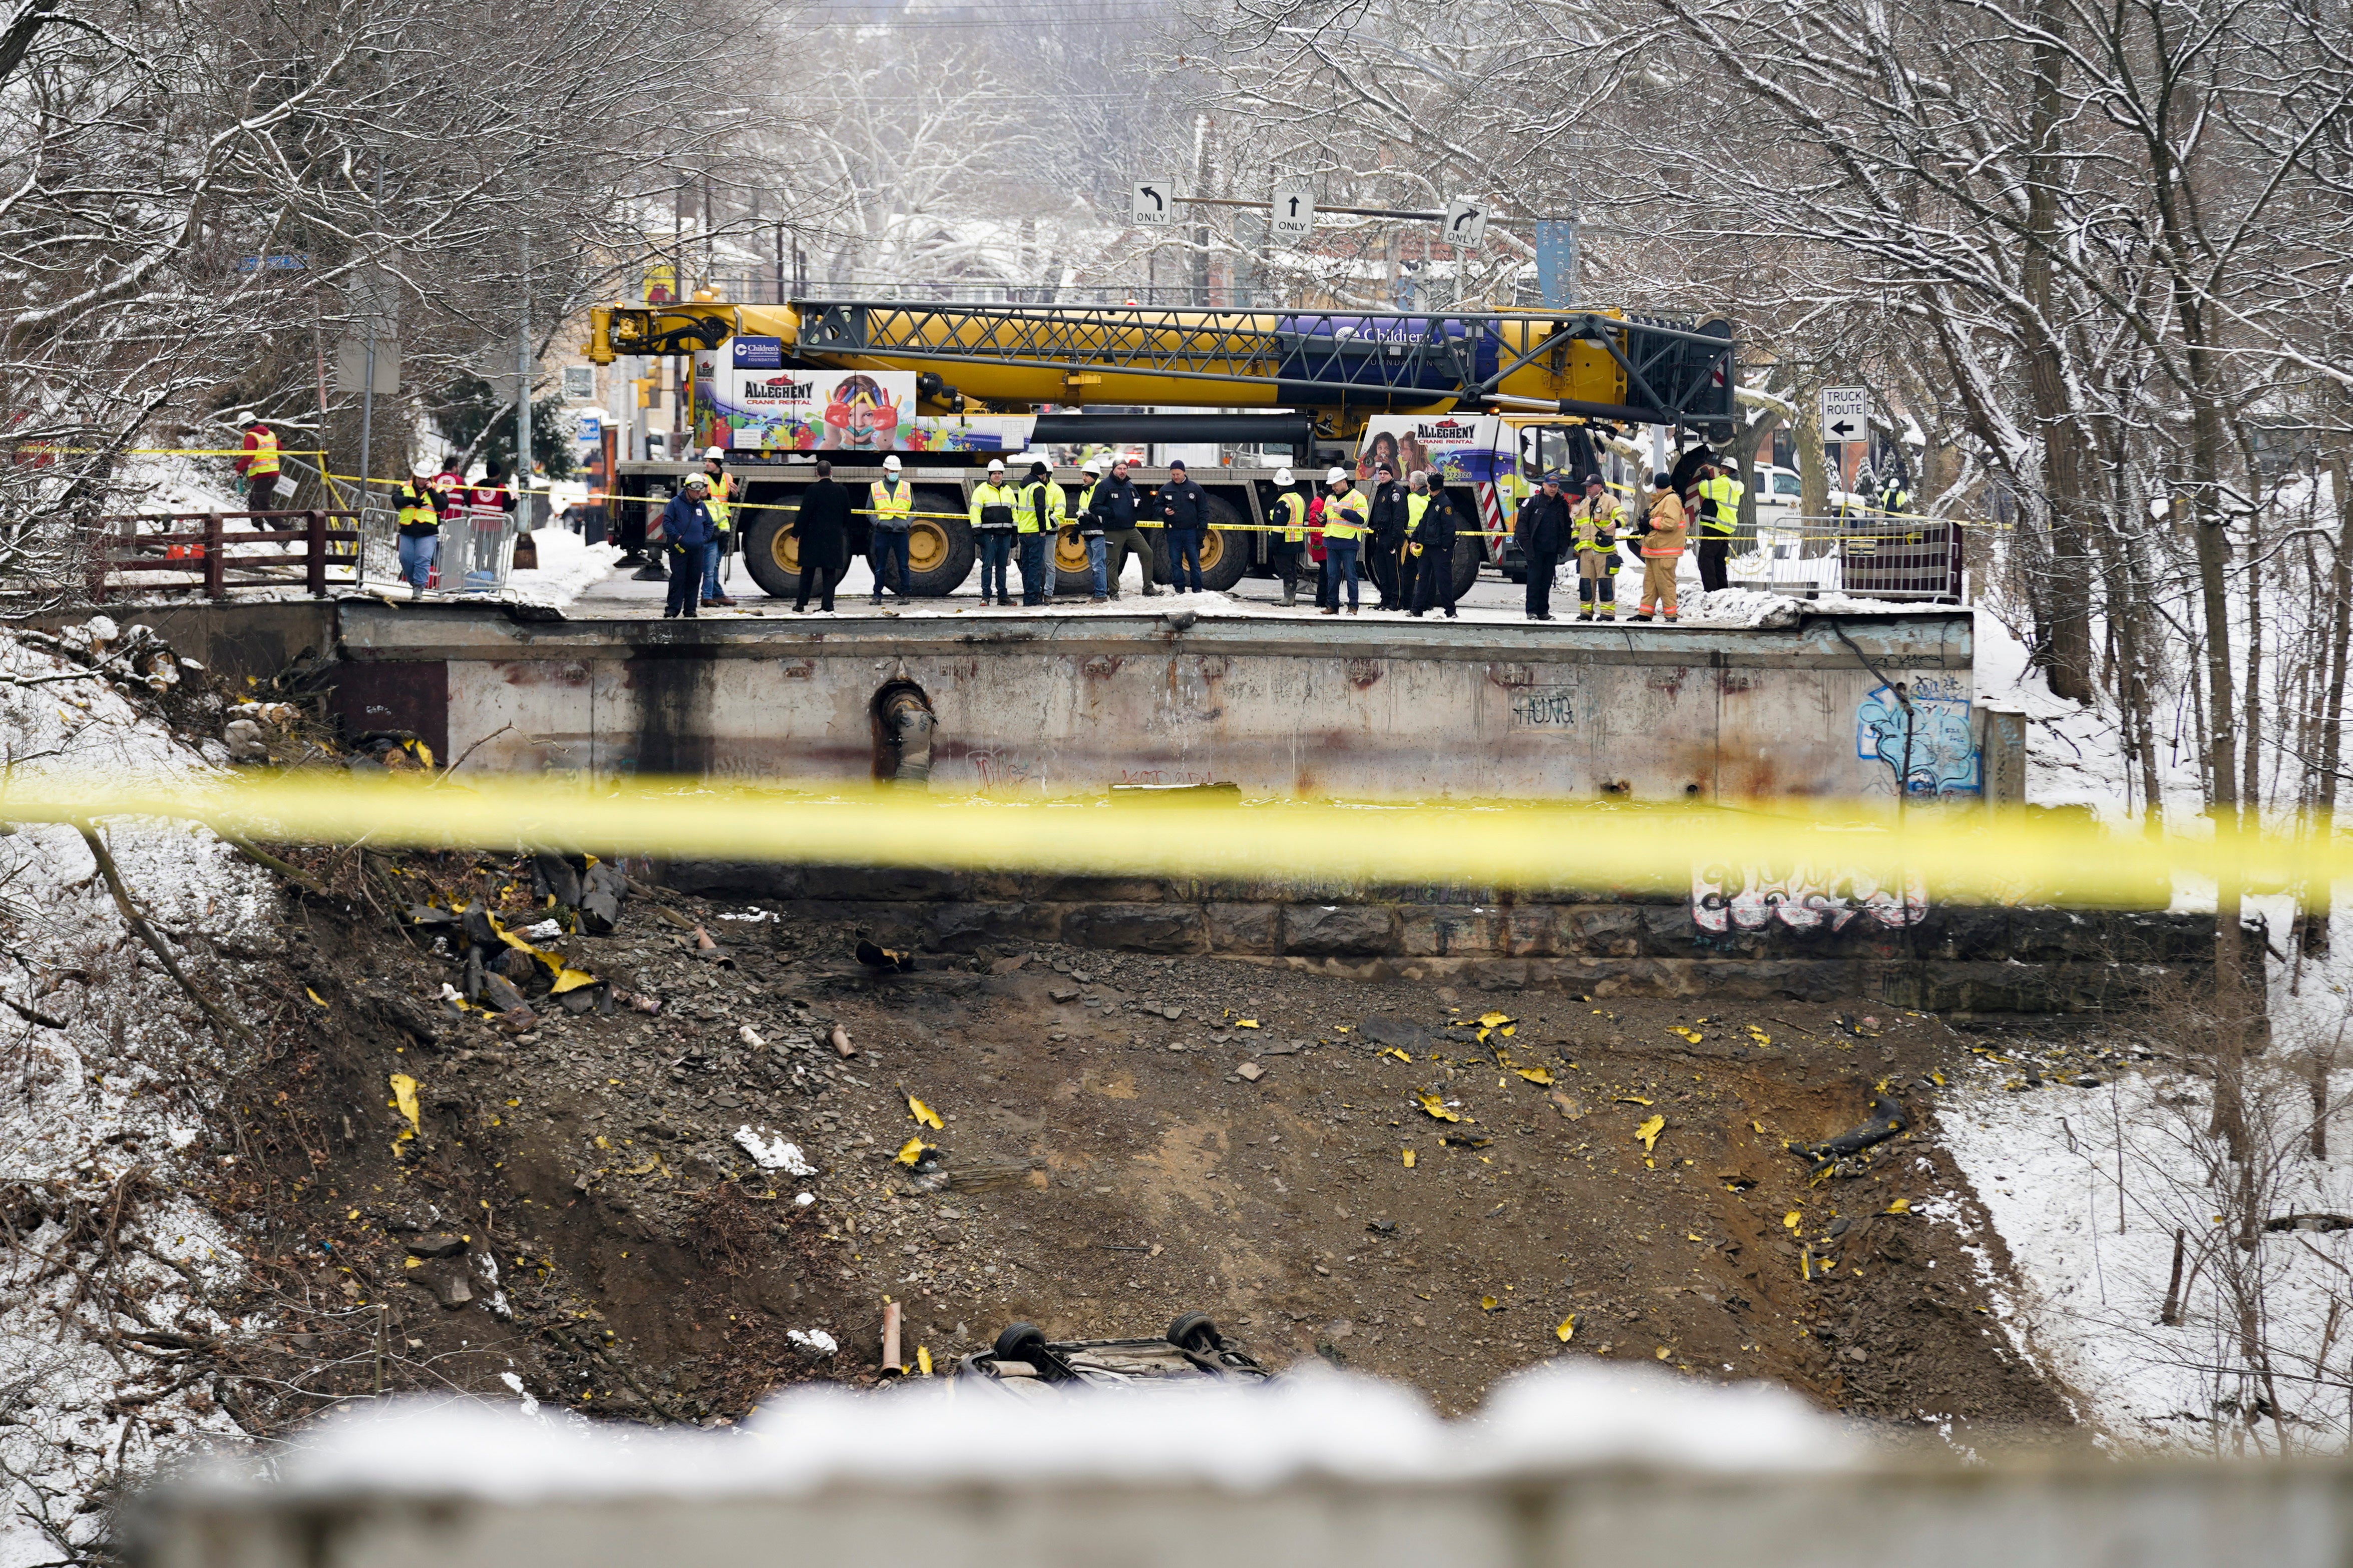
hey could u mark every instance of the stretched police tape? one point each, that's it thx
(1955, 850)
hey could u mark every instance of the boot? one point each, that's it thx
(1150, 592)
(1290, 595)
(1586, 613)
(1331, 610)
(1639, 615)
(1669, 615)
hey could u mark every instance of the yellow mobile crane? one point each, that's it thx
(779, 385)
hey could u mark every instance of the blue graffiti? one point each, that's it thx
(1942, 757)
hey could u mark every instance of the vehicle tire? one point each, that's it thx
(1225, 557)
(1018, 1340)
(771, 556)
(1071, 572)
(1466, 563)
(1194, 1332)
(940, 550)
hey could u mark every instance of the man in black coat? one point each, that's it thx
(822, 526)
(1434, 574)
(1542, 532)
(1387, 520)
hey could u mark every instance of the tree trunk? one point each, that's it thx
(2319, 896)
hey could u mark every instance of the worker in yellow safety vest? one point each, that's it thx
(719, 485)
(891, 501)
(259, 466)
(1288, 513)
(1345, 515)
(421, 532)
(1664, 532)
(1036, 517)
(1719, 500)
(993, 501)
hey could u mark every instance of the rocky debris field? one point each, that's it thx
(662, 1215)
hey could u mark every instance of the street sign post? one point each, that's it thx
(1465, 224)
(1152, 204)
(1294, 209)
(1846, 414)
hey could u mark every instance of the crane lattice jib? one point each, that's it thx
(1590, 363)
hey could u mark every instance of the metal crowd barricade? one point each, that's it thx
(1877, 555)
(477, 549)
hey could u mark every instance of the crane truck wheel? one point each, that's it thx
(1225, 556)
(1071, 572)
(940, 549)
(1467, 553)
(773, 556)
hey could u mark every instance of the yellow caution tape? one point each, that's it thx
(1956, 851)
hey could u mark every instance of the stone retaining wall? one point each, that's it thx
(1959, 960)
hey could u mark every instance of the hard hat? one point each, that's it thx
(1336, 477)
(1283, 476)
(1092, 466)
(697, 482)
(716, 455)
(996, 464)
(891, 465)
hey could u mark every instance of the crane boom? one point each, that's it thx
(1340, 365)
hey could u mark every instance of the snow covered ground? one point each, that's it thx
(108, 1066)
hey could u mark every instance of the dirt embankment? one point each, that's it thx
(1104, 1166)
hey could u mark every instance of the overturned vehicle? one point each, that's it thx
(1025, 1365)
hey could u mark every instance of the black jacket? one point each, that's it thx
(1543, 530)
(822, 524)
(1184, 504)
(1110, 507)
(1388, 515)
(1436, 534)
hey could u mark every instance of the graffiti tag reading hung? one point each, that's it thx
(1803, 898)
(1930, 750)
(1543, 708)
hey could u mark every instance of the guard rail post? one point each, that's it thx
(215, 588)
(314, 575)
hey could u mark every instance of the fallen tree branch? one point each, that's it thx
(220, 1016)
(271, 863)
(30, 1014)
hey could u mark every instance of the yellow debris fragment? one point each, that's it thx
(1436, 1105)
(1757, 1126)
(1690, 1035)
(1648, 1132)
(911, 1151)
(1408, 1158)
(1490, 1304)
(1534, 1075)
(1900, 1205)
(923, 1113)
(1632, 1100)
(1239, 1023)
(1496, 1020)
(601, 1142)
(1400, 1056)
(924, 1352)
(404, 1099)
(1568, 1329)
(314, 997)
(1791, 1220)
(1664, 1352)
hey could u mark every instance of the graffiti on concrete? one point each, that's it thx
(1804, 898)
(1551, 708)
(1929, 749)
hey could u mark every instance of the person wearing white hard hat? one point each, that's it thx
(1115, 507)
(720, 485)
(891, 505)
(1288, 513)
(1091, 527)
(1346, 513)
(993, 529)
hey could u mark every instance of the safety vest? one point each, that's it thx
(1043, 507)
(1722, 495)
(1345, 515)
(1415, 505)
(1895, 498)
(416, 509)
(1291, 507)
(265, 455)
(889, 502)
(715, 501)
(992, 507)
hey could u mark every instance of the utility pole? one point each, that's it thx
(523, 397)
(368, 392)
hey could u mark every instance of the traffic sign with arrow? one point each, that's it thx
(1294, 209)
(1152, 204)
(1846, 414)
(1465, 224)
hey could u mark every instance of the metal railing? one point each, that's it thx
(477, 555)
(1881, 556)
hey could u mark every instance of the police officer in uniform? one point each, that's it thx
(1388, 518)
(1542, 531)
